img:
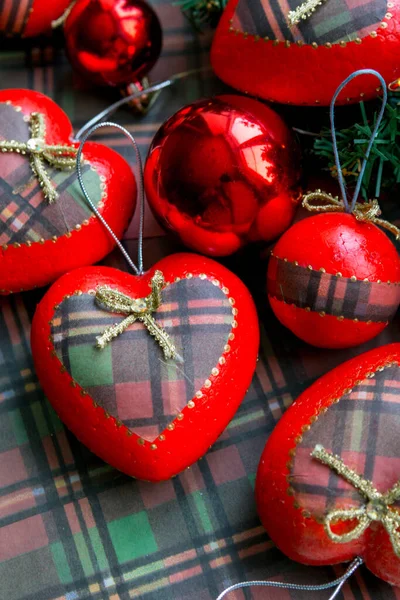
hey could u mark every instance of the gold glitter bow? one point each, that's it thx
(368, 212)
(137, 309)
(304, 11)
(377, 509)
(57, 156)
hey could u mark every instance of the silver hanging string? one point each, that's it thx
(156, 87)
(338, 583)
(350, 206)
(139, 268)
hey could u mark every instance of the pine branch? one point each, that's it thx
(383, 169)
(202, 12)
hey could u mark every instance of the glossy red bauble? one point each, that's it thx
(353, 412)
(113, 43)
(148, 416)
(334, 280)
(41, 241)
(223, 172)
(256, 50)
(28, 19)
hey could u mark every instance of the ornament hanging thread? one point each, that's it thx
(199, 314)
(352, 281)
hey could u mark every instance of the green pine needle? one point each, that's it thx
(383, 169)
(202, 12)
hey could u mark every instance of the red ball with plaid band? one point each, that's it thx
(328, 483)
(148, 415)
(46, 226)
(334, 281)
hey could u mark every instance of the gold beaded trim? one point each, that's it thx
(306, 427)
(215, 372)
(287, 43)
(78, 227)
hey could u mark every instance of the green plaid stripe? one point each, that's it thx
(25, 215)
(362, 428)
(333, 21)
(129, 378)
(78, 522)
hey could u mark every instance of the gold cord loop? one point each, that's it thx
(57, 156)
(367, 212)
(136, 309)
(378, 508)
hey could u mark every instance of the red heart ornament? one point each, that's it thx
(39, 240)
(258, 51)
(148, 416)
(308, 497)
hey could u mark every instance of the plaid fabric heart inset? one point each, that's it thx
(25, 215)
(332, 22)
(130, 378)
(362, 429)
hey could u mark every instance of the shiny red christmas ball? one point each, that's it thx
(223, 172)
(334, 280)
(113, 42)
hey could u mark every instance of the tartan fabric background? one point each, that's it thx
(338, 296)
(363, 430)
(130, 377)
(14, 16)
(73, 528)
(332, 22)
(25, 214)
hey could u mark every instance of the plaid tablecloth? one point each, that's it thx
(73, 528)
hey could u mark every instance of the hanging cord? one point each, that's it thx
(350, 207)
(139, 268)
(156, 87)
(339, 582)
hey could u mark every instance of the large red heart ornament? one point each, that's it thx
(259, 50)
(148, 416)
(327, 485)
(41, 240)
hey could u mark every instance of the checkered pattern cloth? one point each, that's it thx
(25, 214)
(130, 377)
(332, 295)
(333, 21)
(73, 528)
(363, 430)
(14, 16)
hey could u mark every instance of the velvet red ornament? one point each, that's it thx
(223, 172)
(257, 50)
(113, 43)
(147, 415)
(316, 514)
(29, 18)
(40, 238)
(334, 280)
